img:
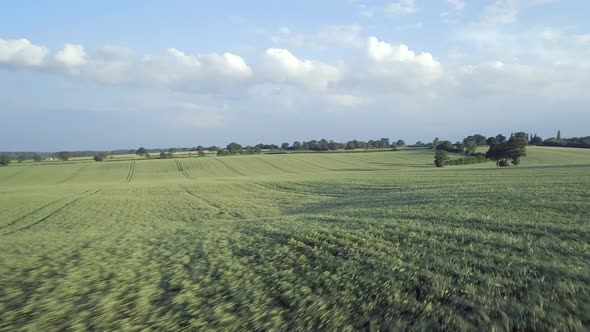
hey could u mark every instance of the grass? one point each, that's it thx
(347, 241)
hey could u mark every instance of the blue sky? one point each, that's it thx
(111, 74)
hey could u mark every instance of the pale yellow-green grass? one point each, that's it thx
(306, 241)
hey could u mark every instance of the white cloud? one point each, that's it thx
(71, 56)
(402, 7)
(284, 67)
(114, 52)
(21, 52)
(381, 51)
(173, 69)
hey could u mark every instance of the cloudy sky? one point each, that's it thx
(106, 75)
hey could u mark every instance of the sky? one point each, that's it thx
(104, 75)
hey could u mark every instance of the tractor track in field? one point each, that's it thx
(54, 212)
(216, 206)
(73, 175)
(130, 173)
(182, 171)
(345, 162)
(293, 191)
(233, 170)
(305, 162)
(37, 210)
(274, 166)
(19, 172)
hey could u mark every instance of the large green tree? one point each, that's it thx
(234, 148)
(440, 158)
(512, 150)
(4, 160)
(141, 151)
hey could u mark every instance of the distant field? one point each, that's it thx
(343, 241)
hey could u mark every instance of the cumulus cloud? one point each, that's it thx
(21, 53)
(284, 67)
(396, 66)
(72, 57)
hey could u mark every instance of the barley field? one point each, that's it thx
(318, 241)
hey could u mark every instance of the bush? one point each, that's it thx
(440, 158)
(4, 160)
(99, 157)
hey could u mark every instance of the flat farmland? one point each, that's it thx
(314, 241)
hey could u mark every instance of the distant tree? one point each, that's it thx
(201, 153)
(146, 155)
(163, 155)
(285, 146)
(536, 140)
(171, 152)
(522, 137)
(99, 156)
(501, 138)
(445, 145)
(37, 158)
(400, 143)
(63, 155)
(491, 141)
(21, 158)
(234, 148)
(513, 150)
(222, 152)
(296, 145)
(141, 151)
(200, 148)
(419, 143)
(248, 150)
(470, 147)
(435, 142)
(440, 158)
(559, 135)
(4, 160)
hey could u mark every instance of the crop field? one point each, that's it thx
(323, 241)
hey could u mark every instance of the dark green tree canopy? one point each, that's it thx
(234, 148)
(141, 151)
(440, 158)
(4, 160)
(513, 150)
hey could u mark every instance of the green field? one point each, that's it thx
(342, 241)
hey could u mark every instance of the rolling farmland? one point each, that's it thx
(323, 241)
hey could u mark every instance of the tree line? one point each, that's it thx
(467, 146)
(501, 150)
